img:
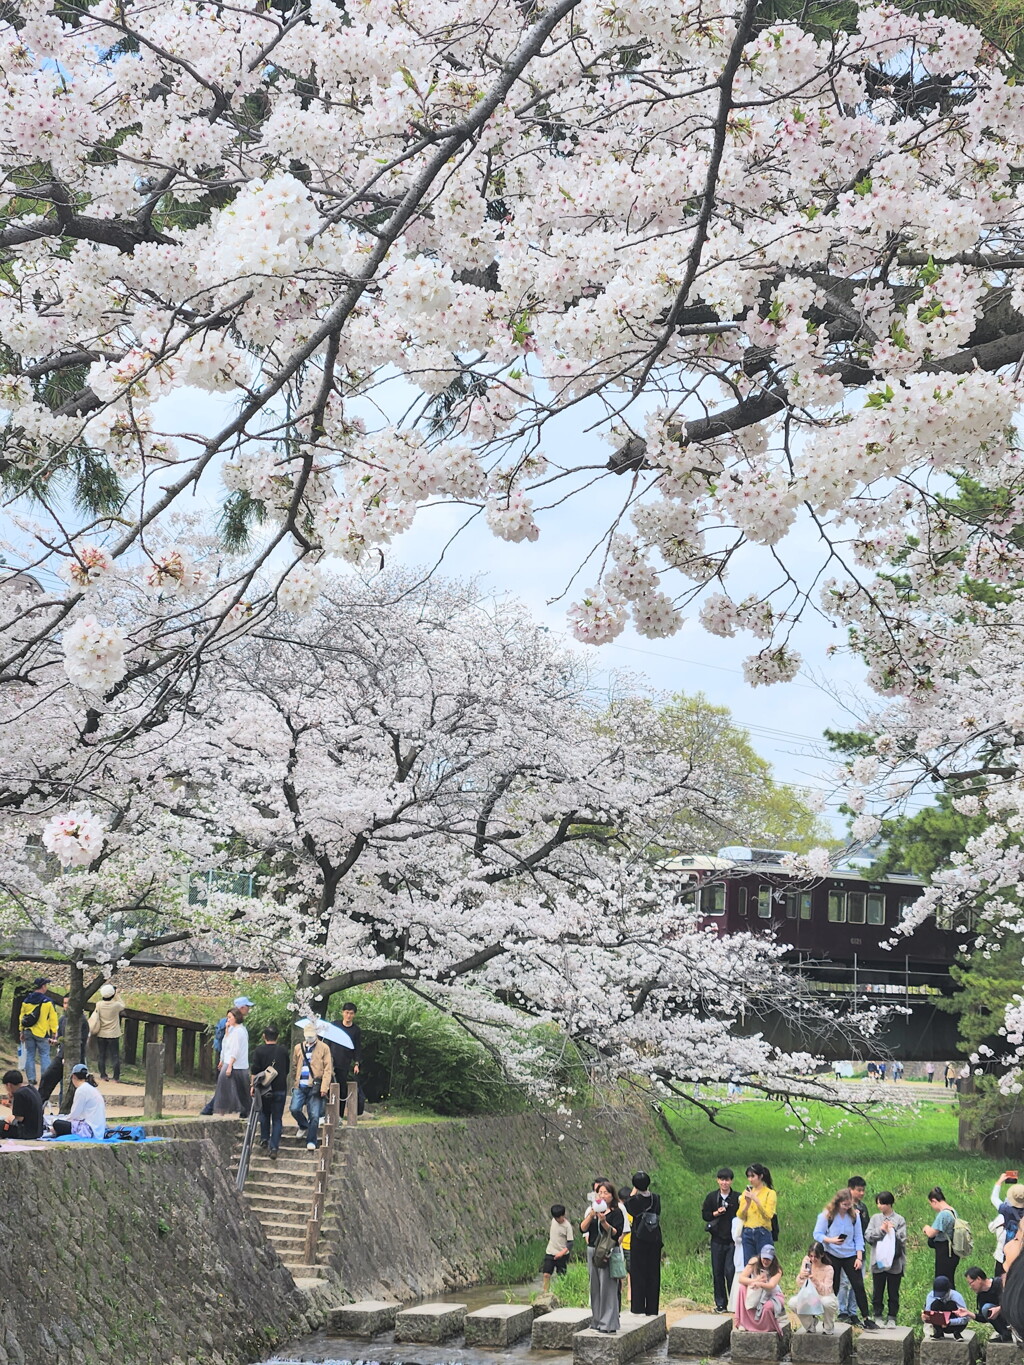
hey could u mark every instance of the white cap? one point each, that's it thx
(107, 991)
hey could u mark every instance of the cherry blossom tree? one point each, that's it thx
(431, 792)
(777, 269)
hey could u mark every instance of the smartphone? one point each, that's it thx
(1011, 1175)
(842, 1236)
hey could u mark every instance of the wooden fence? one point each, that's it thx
(188, 1047)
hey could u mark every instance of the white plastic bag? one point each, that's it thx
(806, 1300)
(885, 1251)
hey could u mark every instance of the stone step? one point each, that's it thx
(277, 1229)
(365, 1319)
(430, 1322)
(949, 1351)
(700, 1335)
(763, 1345)
(292, 1245)
(891, 1346)
(282, 1184)
(290, 1216)
(1003, 1352)
(637, 1333)
(300, 1271)
(499, 1324)
(555, 1331)
(819, 1348)
(297, 1199)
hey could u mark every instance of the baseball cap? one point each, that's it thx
(40, 981)
(243, 1002)
(80, 1070)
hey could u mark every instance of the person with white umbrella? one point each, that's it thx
(312, 1073)
(346, 1043)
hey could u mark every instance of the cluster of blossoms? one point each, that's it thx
(94, 654)
(89, 565)
(75, 838)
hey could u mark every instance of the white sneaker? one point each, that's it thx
(310, 1146)
(890, 1324)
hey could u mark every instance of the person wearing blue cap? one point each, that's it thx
(243, 1004)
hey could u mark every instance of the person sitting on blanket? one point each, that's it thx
(88, 1117)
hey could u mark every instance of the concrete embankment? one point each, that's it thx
(136, 1255)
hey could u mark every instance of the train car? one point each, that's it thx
(839, 923)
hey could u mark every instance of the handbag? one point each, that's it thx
(754, 1295)
(603, 1250)
(617, 1264)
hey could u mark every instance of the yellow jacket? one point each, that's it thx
(46, 1025)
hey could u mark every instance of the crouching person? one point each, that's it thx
(815, 1300)
(944, 1310)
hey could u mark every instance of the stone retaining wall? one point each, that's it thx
(424, 1208)
(136, 1255)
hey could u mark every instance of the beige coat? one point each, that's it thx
(320, 1065)
(105, 1020)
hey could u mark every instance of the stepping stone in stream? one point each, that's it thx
(500, 1324)
(363, 1319)
(1003, 1353)
(760, 1345)
(430, 1322)
(949, 1351)
(700, 1335)
(554, 1331)
(819, 1348)
(892, 1346)
(637, 1333)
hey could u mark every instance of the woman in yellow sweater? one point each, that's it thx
(758, 1203)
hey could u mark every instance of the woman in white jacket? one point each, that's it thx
(88, 1117)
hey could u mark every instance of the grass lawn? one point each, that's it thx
(902, 1150)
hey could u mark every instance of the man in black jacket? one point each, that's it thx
(271, 1053)
(720, 1207)
(347, 1057)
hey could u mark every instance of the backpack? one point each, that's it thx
(30, 1020)
(647, 1226)
(962, 1240)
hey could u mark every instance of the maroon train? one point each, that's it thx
(839, 923)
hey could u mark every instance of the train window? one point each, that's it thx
(855, 907)
(876, 908)
(688, 897)
(764, 902)
(837, 907)
(741, 900)
(712, 899)
(798, 905)
(905, 904)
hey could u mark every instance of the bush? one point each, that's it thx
(415, 1055)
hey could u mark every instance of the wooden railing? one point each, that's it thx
(188, 1048)
(329, 1126)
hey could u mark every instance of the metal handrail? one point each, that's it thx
(248, 1140)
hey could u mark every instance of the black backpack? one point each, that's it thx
(647, 1226)
(32, 1018)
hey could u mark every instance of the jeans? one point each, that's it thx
(753, 1240)
(846, 1301)
(271, 1117)
(35, 1047)
(303, 1097)
(109, 1051)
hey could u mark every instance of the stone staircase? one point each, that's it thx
(280, 1193)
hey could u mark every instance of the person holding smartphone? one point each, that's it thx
(717, 1212)
(758, 1204)
(840, 1232)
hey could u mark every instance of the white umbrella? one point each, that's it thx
(332, 1033)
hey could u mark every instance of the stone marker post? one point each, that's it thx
(153, 1104)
